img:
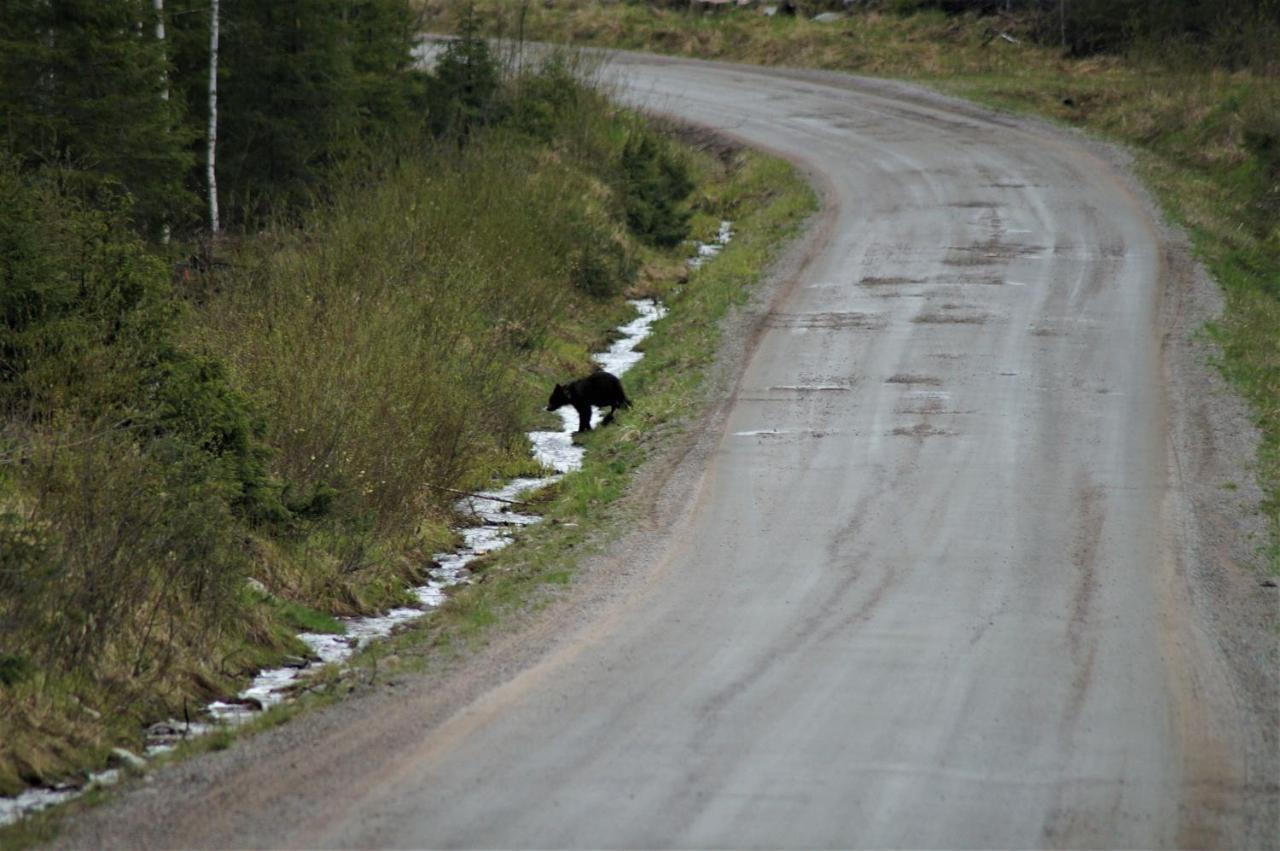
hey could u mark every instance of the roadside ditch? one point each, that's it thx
(497, 524)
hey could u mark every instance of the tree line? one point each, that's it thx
(1235, 33)
(1231, 33)
(120, 98)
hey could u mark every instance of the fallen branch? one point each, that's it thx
(479, 495)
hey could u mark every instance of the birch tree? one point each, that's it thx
(211, 157)
(158, 6)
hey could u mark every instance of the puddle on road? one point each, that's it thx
(496, 529)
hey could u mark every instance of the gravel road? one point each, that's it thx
(950, 566)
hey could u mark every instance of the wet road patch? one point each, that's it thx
(921, 431)
(910, 378)
(834, 321)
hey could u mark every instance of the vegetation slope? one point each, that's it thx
(210, 441)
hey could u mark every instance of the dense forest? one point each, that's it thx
(1234, 33)
(267, 288)
(118, 95)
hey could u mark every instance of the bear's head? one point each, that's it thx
(559, 398)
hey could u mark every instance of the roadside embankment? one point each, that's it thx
(200, 462)
(271, 313)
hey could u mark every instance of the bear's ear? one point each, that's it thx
(558, 388)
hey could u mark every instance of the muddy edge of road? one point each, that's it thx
(1211, 442)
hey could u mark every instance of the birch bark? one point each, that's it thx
(211, 157)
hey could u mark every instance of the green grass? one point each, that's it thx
(300, 618)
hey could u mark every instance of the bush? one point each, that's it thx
(654, 183)
(130, 459)
(14, 669)
(87, 332)
(1262, 140)
(601, 267)
(542, 100)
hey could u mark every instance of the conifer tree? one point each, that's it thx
(82, 84)
(465, 84)
(299, 82)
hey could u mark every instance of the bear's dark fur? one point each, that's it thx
(600, 388)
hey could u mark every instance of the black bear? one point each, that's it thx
(600, 388)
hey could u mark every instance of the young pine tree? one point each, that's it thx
(83, 84)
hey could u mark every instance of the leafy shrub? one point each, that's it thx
(87, 334)
(654, 183)
(542, 100)
(600, 267)
(14, 669)
(1262, 140)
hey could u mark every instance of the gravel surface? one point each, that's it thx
(950, 562)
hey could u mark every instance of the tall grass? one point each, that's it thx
(292, 417)
(388, 336)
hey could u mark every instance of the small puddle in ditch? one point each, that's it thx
(497, 527)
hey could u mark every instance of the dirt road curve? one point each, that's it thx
(931, 582)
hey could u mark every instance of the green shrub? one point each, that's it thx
(655, 182)
(542, 100)
(130, 459)
(600, 267)
(89, 335)
(14, 669)
(1262, 140)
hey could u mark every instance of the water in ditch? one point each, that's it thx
(496, 528)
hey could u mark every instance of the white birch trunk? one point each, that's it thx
(213, 116)
(158, 5)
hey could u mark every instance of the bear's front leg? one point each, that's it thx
(584, 417)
